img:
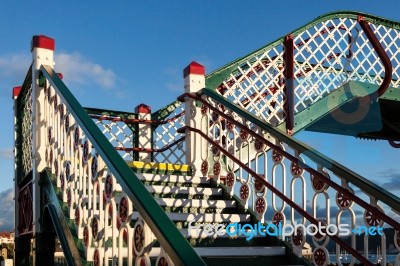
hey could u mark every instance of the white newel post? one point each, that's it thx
(143, 135)
(42, 54)
(194, 78)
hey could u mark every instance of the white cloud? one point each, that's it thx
(14, 66)
(81, 71)
(77, 69)
(6, 153)
(7, 210)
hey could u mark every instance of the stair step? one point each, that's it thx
(184, 190)
(232, 251)
(204, 217)
(202, 234)
(171, 202)
(173, 178)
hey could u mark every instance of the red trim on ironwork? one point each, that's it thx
(194, 68)
(293, 159)
(143, 109)
(149, 150)
(16, 91)
(288, 90)
(381, 53)
(136, 121)
(60, 75)
(292, 204)
(41, 41)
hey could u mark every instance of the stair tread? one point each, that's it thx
(233, 251)
(204, 217)
(173, 178)
(196, 203)
(201, 233)
(184, 190)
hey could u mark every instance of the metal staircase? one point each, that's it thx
(128, 188)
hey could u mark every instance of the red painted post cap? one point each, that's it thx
(16, 91)
(143, 109)
(194, 68)
(41, 41)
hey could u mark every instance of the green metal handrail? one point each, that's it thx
(176, 246)
(366, 185)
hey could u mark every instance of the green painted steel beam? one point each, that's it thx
(341, 171)
(214, 78)
(337, 98)
(176, 246)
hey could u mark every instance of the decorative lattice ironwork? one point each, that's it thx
(166, 134)
(26, 131)
(297, 185)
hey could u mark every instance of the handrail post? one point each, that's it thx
(42, 54)
(289, 82)
(194, 78)
(143, 136)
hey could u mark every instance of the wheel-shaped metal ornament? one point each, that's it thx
(371, 219)
(49, 135)
(94, 168)
(244, 135)
(62, 181)
(217, 168)
(204, 109)
(230, 125)
(139, 237)
(68, 171)
(260, 205)
(108, 187)
(143, 260)
(343, 201)
(51, 156)
(47, 92)
(230, 179)
(276, 156)
(96, 258)
(85, 152)
(279, 217)
(244, 191)
(204, 168)
(95, 228)
(61, 109)
(215, 151)
(259, 146)
(298, 238)
(318, 236)
(56, 167)
(163, 260)
(69, 197)
(142, 238)
(318, 184)
(77, 217)
(320, 256)
(295, 169)
(259, 186)
(55, 102)
(123, 209)
(76, 138)
(86, 236)
(214, 116)
(397, 239)
(67, 125)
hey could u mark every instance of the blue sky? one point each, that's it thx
(117, 54)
